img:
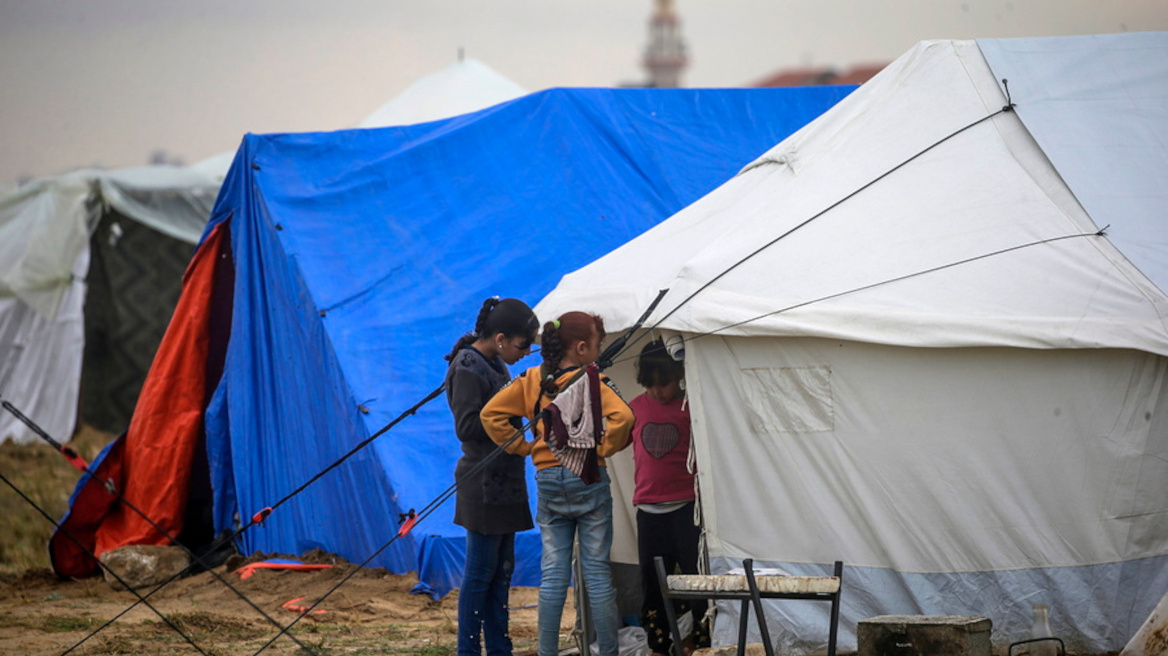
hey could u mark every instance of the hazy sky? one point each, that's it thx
(106, 82)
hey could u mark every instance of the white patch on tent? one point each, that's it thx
(789, 399)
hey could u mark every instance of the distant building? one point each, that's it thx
(810, 76)
(665, 57)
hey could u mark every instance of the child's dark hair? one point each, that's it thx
(557, 336)
(509, 316)
(656, 367)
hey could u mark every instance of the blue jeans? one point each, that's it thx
(482, 601)
(568, 508)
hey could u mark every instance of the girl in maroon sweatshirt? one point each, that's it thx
(664, 492)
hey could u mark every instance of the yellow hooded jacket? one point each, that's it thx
(518, 399)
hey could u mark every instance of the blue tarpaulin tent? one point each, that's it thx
(338, 268)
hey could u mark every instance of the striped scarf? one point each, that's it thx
(574, 426)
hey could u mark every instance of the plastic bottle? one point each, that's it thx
(1041, 629)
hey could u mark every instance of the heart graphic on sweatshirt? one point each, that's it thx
(659, 439)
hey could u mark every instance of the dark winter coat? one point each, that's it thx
(492, 501)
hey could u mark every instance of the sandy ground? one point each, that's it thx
(372, 613)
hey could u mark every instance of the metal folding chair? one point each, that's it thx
(750, 590)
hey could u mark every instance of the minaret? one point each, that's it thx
(665, 57)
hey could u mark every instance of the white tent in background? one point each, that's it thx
(461, 88)
(911, 347)
(216, 165)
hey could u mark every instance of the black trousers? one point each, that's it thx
(674, 537)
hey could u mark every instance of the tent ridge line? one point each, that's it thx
(827, 209)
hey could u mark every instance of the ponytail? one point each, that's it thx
(484, 312)
(509, 316)
(480, 321)
(558, 336)
(551, 347)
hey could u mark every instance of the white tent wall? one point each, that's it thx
(43, 259)
(38, 358)
(951, 481)
(43, 232)
(933, 474)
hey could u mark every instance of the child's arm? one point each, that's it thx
(618, 421)
(496, 416)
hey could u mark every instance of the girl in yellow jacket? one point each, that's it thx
(573, 500)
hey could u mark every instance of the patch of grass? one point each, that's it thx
(397, 632)
(431, 650)
(155, 638)
(401, 640)
(65, 623)
(32, 577)
(205, 624)
(115, 645)
(317, 648)
(95, 588)
(308, 627)
(8, 622)
(47, 479)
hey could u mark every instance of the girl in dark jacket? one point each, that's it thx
(492, 502)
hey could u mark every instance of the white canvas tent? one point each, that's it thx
(910, 347)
